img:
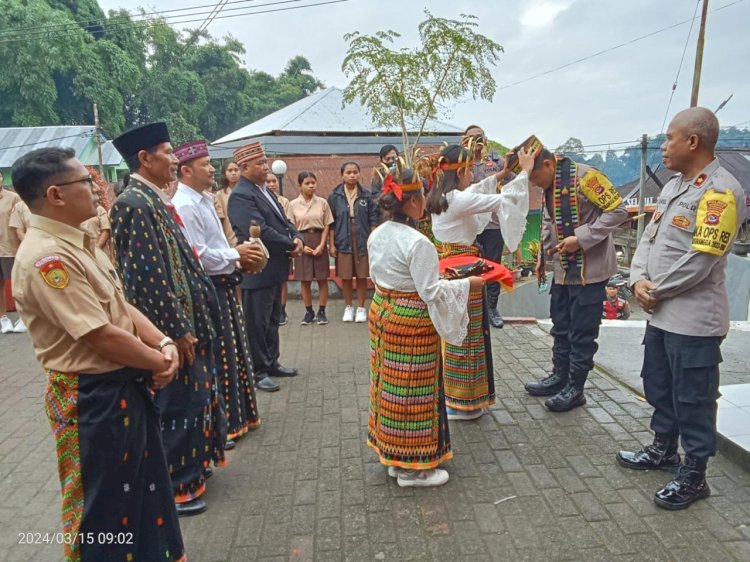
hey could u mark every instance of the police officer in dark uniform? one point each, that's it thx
(678, 276)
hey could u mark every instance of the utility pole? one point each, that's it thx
(98, 141)
(699, 56)
(642, 188)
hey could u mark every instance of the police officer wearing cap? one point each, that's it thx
(678, 276)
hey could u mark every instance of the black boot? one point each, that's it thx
(568, 398)
(688, 485)
(550, 385)
(661, 454)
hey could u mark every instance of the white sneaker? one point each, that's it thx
(6, 326)
(361, 315)
(458, 415)
(349, 314)
(422, 478)
(393, 472)
(20, 327)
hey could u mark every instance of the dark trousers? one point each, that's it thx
(576, 312)
(681, 381)
(492, 243)
(262, 315)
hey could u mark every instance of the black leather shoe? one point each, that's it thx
(660, 455)
(208, 472)
(496, 318)
(230, 445)
(688, 486)
(550, 385)
(267, 384)
(568, 398)
(191, 508)
(284, 372)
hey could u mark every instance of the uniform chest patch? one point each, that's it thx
(53, 271)
(680, 221)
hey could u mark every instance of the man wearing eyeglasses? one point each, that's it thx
(103, 360)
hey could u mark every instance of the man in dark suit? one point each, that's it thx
(252, 204)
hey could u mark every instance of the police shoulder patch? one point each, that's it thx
(715, 222)
(599, 190)
(53, 271)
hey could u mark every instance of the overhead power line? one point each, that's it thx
(128, 17)
(610, 49)
(63, 33)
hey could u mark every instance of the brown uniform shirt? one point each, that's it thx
(283, 201)
(315, 214)
(8, 239)
(65, 288)
(221, 204)
(20, 217)
(95, 225)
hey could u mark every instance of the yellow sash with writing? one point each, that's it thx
(599, 190)
(715, 223)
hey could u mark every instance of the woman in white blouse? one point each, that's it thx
(460, 211)
(411, 310)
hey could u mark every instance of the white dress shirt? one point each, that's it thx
(403, 259)
(470, 211)
(204, 230)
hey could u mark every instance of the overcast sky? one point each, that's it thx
(612, 97)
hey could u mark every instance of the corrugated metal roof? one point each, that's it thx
(328, 145)
(320, 113)
(17, 141)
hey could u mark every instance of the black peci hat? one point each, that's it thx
(141, 138)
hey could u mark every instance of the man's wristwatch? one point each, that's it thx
(165, 342)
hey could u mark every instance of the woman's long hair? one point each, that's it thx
(223, 181)
(444, 181)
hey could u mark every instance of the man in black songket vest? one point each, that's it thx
(195, 205)
(251, 203)
(162, 277)
(581, 209)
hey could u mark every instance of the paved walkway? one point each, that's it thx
(525, 484)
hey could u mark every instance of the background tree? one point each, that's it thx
(404, 88)
(67, 55)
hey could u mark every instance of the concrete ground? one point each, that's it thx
(525, 484)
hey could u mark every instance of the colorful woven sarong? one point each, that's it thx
(408, 425)
(567, 217)
(233, 361)
(467, 368)
(117, 495)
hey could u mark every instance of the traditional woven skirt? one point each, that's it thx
(117, 496)
(467, 368)
(408, 425)
(193, 424)
(234, 363)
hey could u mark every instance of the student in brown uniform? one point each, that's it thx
(313, 218)
(8, 247)
(230, 175)
(272, 184)
(103, 359)
(19, 220)
(100, 229)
